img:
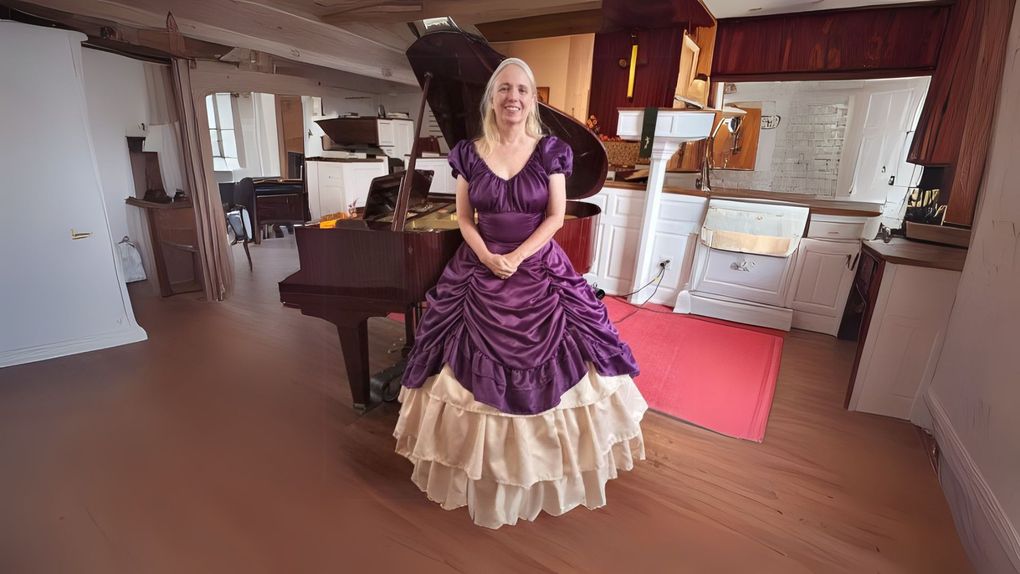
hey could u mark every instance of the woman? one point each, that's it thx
(518, 395)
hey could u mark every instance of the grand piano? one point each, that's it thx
(386, 260)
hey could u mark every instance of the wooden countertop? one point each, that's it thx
(906, 252)
(817, 205)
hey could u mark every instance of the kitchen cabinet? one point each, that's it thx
(823, 275)
(830, 44)
(954, 129)
(906, 291)
(333, 185)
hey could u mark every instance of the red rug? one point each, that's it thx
(714, 374)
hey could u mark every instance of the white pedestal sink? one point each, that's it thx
(672, 128)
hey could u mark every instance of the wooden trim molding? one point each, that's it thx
(955, 455)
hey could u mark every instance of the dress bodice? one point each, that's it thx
(509, 210)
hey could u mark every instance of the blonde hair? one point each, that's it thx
(490, 132)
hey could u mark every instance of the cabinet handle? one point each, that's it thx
(76, 235)
(742, 266)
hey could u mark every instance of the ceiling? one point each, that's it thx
(363, 37)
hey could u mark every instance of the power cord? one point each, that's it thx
(657, 280)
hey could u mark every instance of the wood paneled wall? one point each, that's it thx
(954, 129)
(654, 80)
(869, 42)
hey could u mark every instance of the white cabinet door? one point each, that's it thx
(821, 283)
(403, 138)
(331, 187)
(744, 276)
(358, 177)
(387, 135)
(904, 339)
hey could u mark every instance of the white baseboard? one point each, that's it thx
(979, 493)
(815, 322)
(130, 334)
(728, 309)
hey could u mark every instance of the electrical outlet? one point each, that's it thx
(664, 263)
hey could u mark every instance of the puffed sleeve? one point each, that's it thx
(557, 157)
(460, 159)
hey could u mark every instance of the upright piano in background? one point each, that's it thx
(387, 261)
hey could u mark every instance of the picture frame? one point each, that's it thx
(543, 94)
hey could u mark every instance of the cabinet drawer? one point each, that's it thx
(836, 230)
(758, 278)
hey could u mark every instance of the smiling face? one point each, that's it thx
(513, 96)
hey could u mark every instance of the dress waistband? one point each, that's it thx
(508, 227)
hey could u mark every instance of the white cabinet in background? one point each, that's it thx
(334, 185)
(443, 182)
(821, 283)
(396, 137)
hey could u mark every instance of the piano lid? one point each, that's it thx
(460, 65)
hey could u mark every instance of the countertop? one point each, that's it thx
(817, 205)
(906, 252)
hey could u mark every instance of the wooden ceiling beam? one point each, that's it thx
(402, 11)
(256, 26)
(547, 26)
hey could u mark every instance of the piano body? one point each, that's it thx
(387, 260)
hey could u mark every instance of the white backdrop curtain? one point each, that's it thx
(214, 251)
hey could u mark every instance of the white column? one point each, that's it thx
(645, 267)
(672, 128)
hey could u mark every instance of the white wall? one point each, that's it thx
(813, 151)
(117, 108)
(975, 394)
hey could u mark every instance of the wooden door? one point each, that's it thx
(291, 127)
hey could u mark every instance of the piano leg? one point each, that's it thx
(411, 316)
(354, 342)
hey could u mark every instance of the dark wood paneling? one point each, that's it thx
(654, 80)
(955, 125)
(834, 43)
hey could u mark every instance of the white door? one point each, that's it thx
(62, 290)
(884, 134)
(822, 280)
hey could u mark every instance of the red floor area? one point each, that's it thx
(715, 374)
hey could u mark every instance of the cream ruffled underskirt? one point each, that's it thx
(506, 467)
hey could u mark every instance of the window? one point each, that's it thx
(223, 126)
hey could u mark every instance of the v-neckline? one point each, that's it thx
(514, 176)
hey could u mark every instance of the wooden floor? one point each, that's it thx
(226, 443)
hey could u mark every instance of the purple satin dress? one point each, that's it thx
(516, 344)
